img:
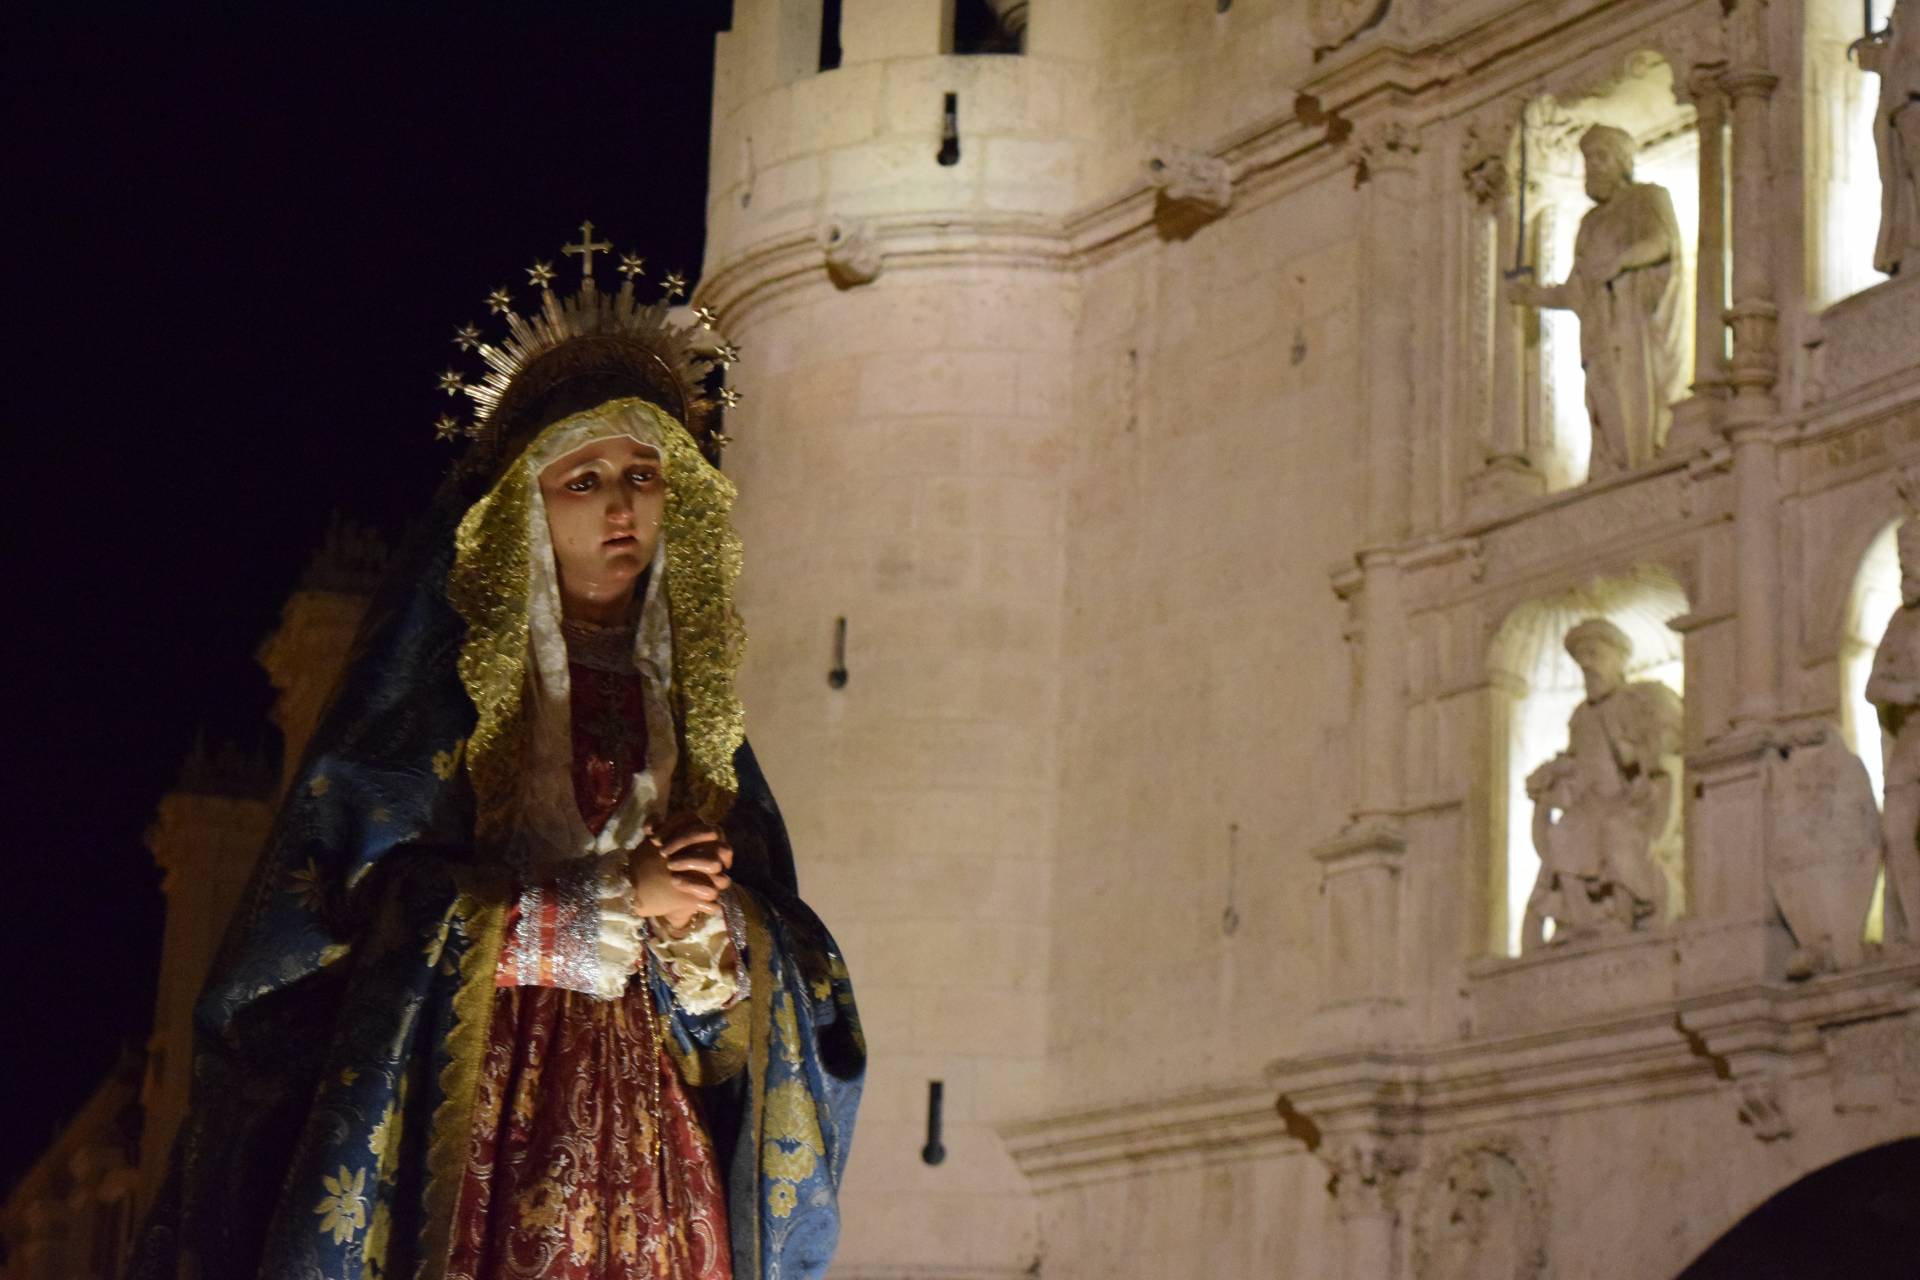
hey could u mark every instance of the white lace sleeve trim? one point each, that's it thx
(697, 966)
(620, 930)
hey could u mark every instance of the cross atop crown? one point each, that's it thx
(587, 247)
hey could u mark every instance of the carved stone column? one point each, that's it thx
(1756, 509)
(1693, 419)
(1360, 877)
(1386, 163)
(1367, 1171)
(1754, 315)
(1755, 369)
(1507, 474)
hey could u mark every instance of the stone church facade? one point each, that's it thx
(1322, 655)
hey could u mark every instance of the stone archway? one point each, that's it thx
(1858, 1218)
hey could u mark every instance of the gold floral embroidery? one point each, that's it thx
(445, 763)
(343, 1210)
(383, 1135)
(626, 1231)
(378, 1232)
(305, 884)
(793, 1144)
(542, 1208)
(585, 1239)
(320, 785)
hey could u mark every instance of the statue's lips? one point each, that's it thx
(621, 540)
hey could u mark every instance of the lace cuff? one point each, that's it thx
(705, 967)
(575, 929)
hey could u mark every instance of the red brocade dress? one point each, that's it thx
(589, 1159)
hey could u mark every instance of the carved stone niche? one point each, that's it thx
(1583, 762)
(1191, 188)
(1613, 353)
(1482, 1215)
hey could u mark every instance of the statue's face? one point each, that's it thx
(1605, 175)
(1601, 664)
(604, 504)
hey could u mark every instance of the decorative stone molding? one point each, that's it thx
(1875, 1063)
(852, 251)
(1384, 146)
(1189, 185)
(1060, 1150)
(791, 263)
(1763, 1107)
(1333, 23)
(1483, 165)
(1482, 1213)
(1366, 1173)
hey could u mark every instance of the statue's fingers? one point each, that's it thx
(701, 834)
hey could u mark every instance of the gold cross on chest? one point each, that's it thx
(587, 247)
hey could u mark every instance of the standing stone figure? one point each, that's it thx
(1894, 690)
(1626, 287)
(1606, 816)
(1894, 55)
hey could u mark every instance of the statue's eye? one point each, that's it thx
(642, 476)
(583, 483)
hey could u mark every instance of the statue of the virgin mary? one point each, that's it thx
(522, 984)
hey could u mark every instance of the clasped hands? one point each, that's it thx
(679, 871)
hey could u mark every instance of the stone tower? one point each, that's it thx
(884, 246)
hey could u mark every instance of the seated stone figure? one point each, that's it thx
(1606, 817)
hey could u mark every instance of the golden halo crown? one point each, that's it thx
(584, 335)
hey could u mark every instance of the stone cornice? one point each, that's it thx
(1090, 1145)
(1360, 86)
(1689, 1046)
(790, 263)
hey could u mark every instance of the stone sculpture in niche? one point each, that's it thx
(1823, 847)
(1606, 811)
(1894, 55)
(1627, 290)
(1894, 690)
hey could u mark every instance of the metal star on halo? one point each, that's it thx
(466, 337)
(729, 397)
(675, 284)
(452, 383)
(541, 274)
(632, 265)
(721, 439)
(705, 316)
(728, 355)
(445, 427)
(500, 301)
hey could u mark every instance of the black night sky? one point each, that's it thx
(240, 247)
